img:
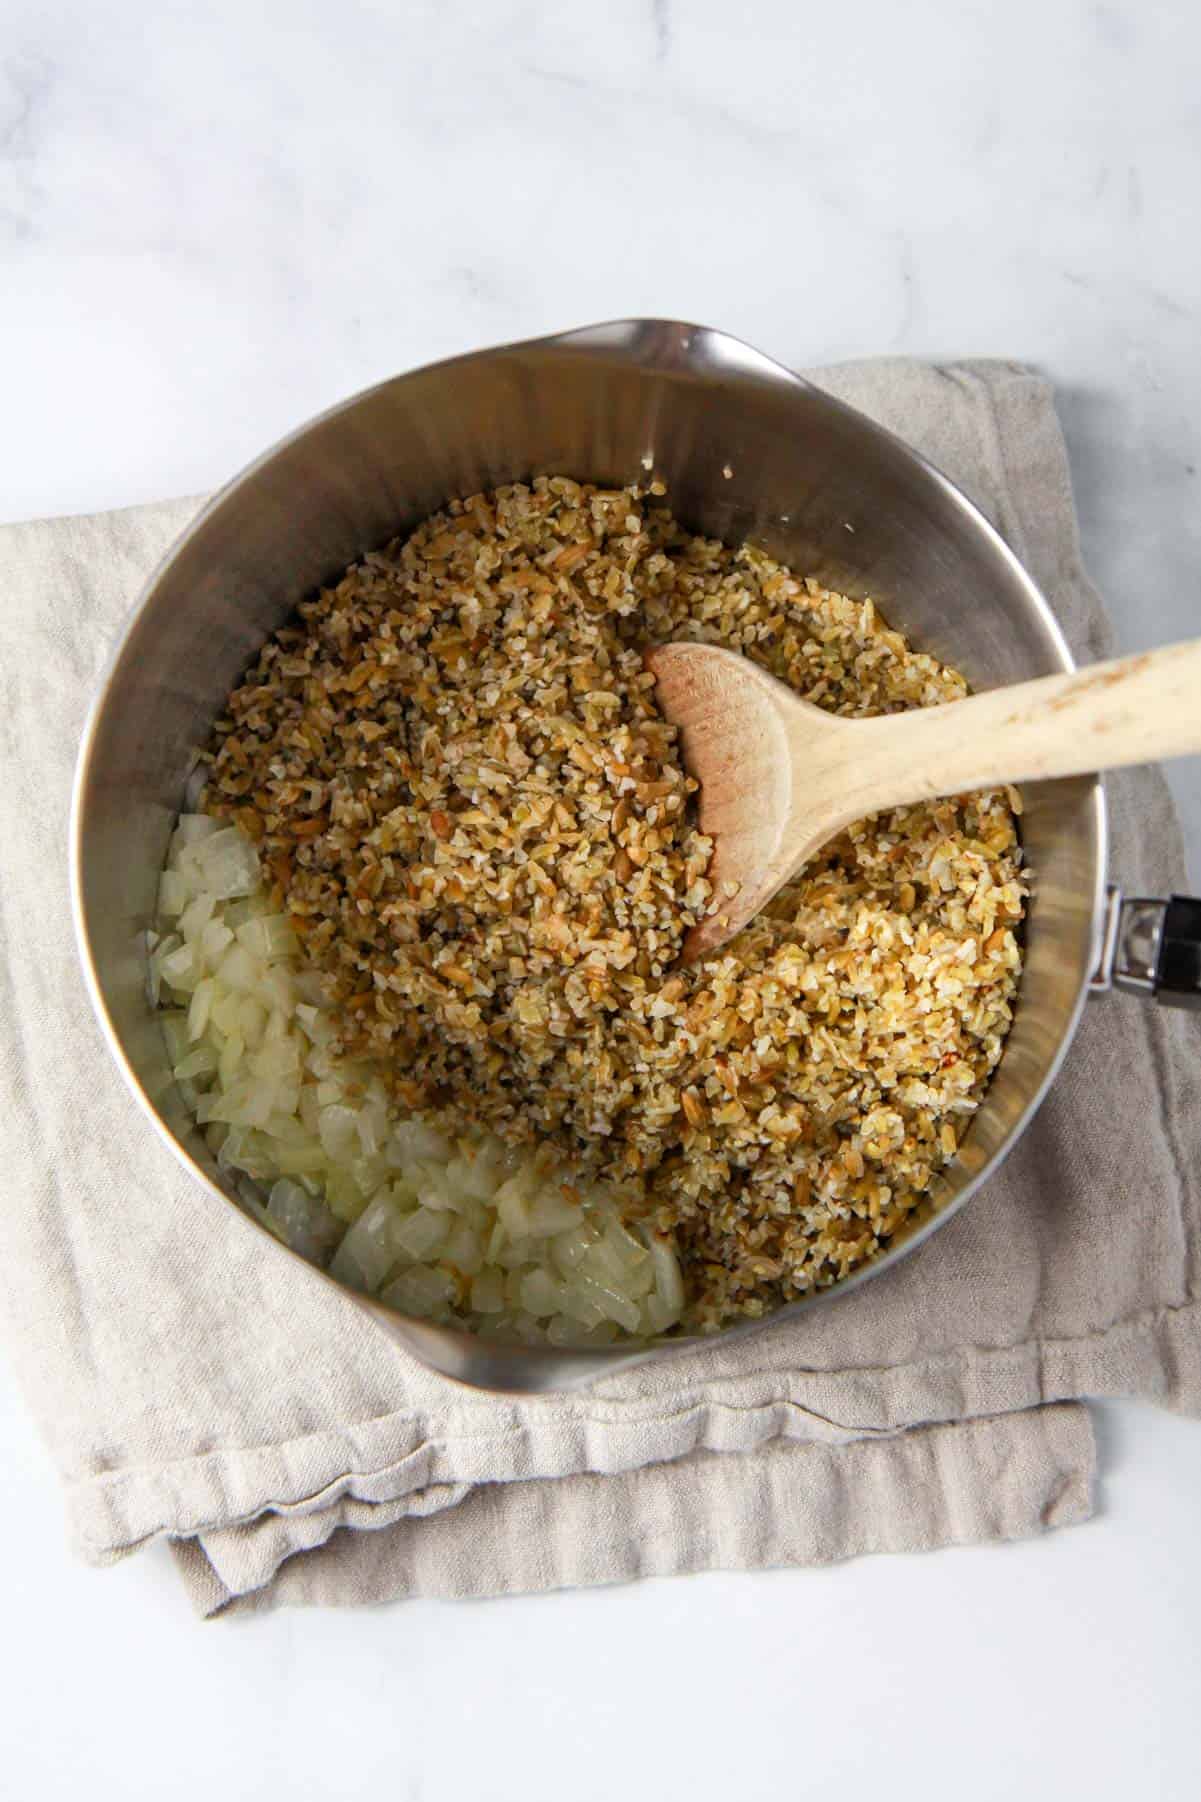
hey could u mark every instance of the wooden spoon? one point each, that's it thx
(779, 777)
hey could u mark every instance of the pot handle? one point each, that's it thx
(1151, 948)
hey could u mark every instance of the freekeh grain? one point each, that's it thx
(484, 837)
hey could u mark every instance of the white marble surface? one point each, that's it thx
(217, 218)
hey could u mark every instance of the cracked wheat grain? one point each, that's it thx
(456, 774)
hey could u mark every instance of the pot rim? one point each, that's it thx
(691, 346)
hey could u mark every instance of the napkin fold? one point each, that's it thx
(195, 1382)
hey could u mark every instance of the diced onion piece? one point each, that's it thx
(513, 1202)
(214, 940)
(232, 1053)
(669, 1282)
(196, 916)
(413, 1140)
(252, 1020)
(343, 1194)
(239, 970)
(201, 1004)
(515, 1253)
(420, 1233)
(226, 1006)
(175, 1030)
(200, 1062)
(611, 1302)
(569, 1249)
(422, 1290)
(276, 1058)
(552, 1212)
(626, 1248)
(247, 1103)
(603, 1265)
(307, 1159)
(488, 1293)
(580, 1307)
(316, 1025)
(369, 1173)
(286, 1096)
(513, 1283)
(191, 827)
(309, 1110)
(182, 969)
(477, 1170)
(464, 1250)
(541, 1294)
(173, 893)
(308, 1227)
(434, 1188)
(225, 864)
(345, 1266)
(245, 1150)
(638, 1284)
(371, 1123)
(370, 1241)
(170, 942)
(657, 1316)
(269, 936)
(286, 1127)
(339, 1135)
(596, 1337)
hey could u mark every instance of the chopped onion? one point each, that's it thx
(569, 1249)
(202, 1001)
(174, 1023)
(611, 1302)
(471, 1231)
(668, 1281)
(551, 1213)
(172, 893)
(488, 1292)
(342, 1192)
(421, 1232)
(239, 970)
(371, 1242)
(309, 1227)
(230, 1061)
(224, 864)
(201, 1062)
(541, 1293)
(196, 915)
(422, 1291)
(463, 1251)
(413, 1140)
(213, 940)
(276, 1058)
(337, 1131)
(268, 937)
(191, 827)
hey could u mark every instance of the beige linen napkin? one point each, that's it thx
(194, 1381)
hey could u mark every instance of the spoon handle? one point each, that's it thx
(1135, 710)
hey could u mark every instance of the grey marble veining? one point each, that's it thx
(214, 220)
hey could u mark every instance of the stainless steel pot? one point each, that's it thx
(747, 450)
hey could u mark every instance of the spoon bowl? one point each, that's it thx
(779, 777)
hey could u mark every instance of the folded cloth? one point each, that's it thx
(194, 1381)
